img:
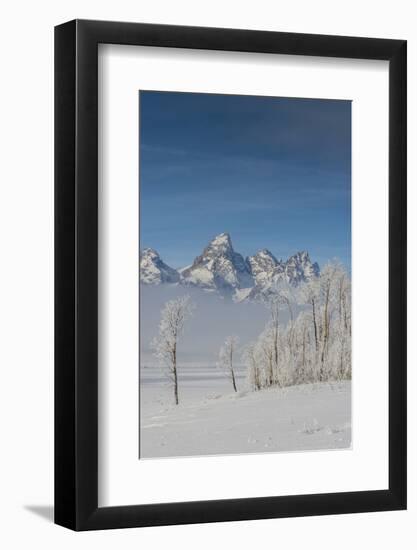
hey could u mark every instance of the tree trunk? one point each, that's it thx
(326, 328)
(341, 302)
(174, 370)
(234, 381)
(231, 367)
(257, 381)
(341, 367)
(291, 327)
(276, 355)
(276, 349)
(313, 303)
(304, 352)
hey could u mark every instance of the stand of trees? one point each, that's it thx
(313, 347)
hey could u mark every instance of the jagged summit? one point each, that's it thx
(299, 268)
(263, 264)
(222, 240)
(221, 269)
(149, 252)
(154, 271)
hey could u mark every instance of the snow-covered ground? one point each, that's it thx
(212, 419)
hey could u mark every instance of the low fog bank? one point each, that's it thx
(214, 319)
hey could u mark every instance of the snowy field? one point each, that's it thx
(212, 419)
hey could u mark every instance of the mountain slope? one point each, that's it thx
(219, 268)
(269, 272)
(222, 270)
(300, 269)
(153, 271)
(265, 267)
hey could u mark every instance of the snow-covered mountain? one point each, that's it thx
(265, 267)
(300, 269)
(153, 271)
(223, 270)
(268, 271)
(219, 268)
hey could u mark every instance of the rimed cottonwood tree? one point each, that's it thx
(315, 346)
(254, 373)
(227, 357)
(269, 339)
(171, 326)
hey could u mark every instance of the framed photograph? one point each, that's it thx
(230, 254)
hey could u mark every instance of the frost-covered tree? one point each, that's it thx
(227, 356)
(303, 349)
(313, 346)
(334, 296)
(254, 375)
(171, 326)
(269, 339)
(286, 297)
(266, 354)
(310, 294)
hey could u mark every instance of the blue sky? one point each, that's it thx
(273, 172)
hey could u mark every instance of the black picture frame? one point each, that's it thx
(76, 272)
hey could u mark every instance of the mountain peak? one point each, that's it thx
(149, 253)
(221, 241)
(222, 237)
(265, 253)
(262, 265)
(153, 270)
(219, 267)
(301, 255)
(300, 268)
